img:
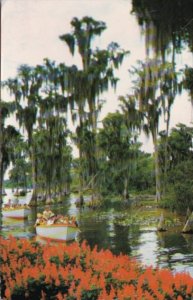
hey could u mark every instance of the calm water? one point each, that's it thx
(130, 231)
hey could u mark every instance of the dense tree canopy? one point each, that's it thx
(49, 97)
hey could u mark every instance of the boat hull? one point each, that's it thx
(57, 232)
(21, 213)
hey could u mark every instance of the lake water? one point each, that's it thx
(126, 230)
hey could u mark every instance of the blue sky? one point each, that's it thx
(30, 31)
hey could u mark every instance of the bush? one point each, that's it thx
(168, 201)
(182, 178)
(74, 272)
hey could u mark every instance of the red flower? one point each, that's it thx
(85, 271)
(8, 293)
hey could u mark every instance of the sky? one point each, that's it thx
(31, 30)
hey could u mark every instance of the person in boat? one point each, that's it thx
(52, 220)
(26, 206)
(40, 220)
(8, 204)
(15, 202)
(47, 213)
(72, 221)
(62, 220)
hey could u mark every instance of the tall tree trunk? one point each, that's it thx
(166, 153)
(157, 168)
(1, 134)
(25, 184)
(81, 181)
(167, 128)
(1, 165)
(1, 157)
(1, 181)
(49, 196)
(1, 178)
(33, 201)
(126, 187)
(92, 107)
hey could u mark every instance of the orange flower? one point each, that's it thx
(128, 291)
(183, 280)
(34, 272)
(103, 295)
(112, 293)
(57, 282)
(8, 293)
(101, 282)
(121, 274)
(59, 296)
(165, 278)
(86, 270)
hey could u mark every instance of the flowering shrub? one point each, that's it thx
(73, 272)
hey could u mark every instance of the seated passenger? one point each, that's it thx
(8, 204)
(73, 221)
(15, 202)
(47, 213)
(51, 220)
(40, 220)
(62, 220)
(26, 205)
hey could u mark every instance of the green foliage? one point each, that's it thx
(121, 159)
(19, 174)
(53, 156)
(188, 80)
(168, 24)
(11, 137)
(110, 159)
(88, 84)
(182, 177)
(143, 178)
(180, 144)
(179, 168)
(168, 201)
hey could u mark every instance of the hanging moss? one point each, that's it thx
(166, 23)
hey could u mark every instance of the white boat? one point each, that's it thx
(57, 232)
(16, 213)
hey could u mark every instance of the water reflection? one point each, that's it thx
(148, 246)
(121, 239)
(174, 251)
(18, 228)
(139, 239)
